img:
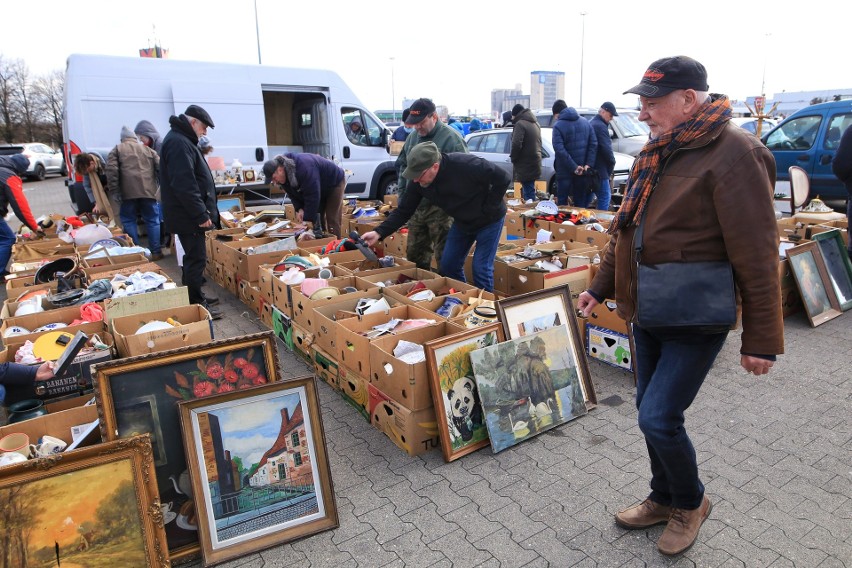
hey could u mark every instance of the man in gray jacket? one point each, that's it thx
(132, 171)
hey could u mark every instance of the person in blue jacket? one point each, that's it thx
(314, 184)
(16, 375)
(575, 145)
(605, 159)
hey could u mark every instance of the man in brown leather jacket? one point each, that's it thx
(702, 189)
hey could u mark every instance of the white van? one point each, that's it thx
(259, 112)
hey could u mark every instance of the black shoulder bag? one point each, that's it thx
(698, 295)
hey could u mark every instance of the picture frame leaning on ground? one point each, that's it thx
(259, 468)
(812, 279)
(833, 251)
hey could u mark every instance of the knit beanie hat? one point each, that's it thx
(22, 163)
(517, 109)
(127, 133)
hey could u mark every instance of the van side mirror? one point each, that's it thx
(258, 154)
(384, 138)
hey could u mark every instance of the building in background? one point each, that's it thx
(788, 103)
(504, 99)
(545, 88)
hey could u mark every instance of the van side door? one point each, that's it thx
(823, 180)
(793, 144)
(363, 142)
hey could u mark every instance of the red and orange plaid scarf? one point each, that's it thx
(643, 176)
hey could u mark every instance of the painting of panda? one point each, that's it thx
(458, 408)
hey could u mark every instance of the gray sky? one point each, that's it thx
(457, 52)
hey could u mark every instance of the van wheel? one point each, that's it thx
(38, 172)
(389, 185)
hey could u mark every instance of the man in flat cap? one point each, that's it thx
(468, 189)
(429, 225)
(701, 192)
(605, 158)
(188, 193)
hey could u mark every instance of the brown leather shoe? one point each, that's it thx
(646, 514)
(682, 530)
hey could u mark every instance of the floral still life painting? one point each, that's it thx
(528, 385)
(258, 468)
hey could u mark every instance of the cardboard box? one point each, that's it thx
(354, 390)
(224, 251)
(604, 315)
(119, 260)
(249, 294)
(109, 272)
(522, 281)
(415, 432)
(147, 302)
(265, 278)
(393, 276)
(196, 328)
(325, 367)
(282, 327)
(439, 286)
(609, 347)
(57, 424)
(406, 383)
(396, 244)
(353, 348)
(354, 267)
(791, 300)
(392, 199)
(37, 320)
(302, 342)
(304, 307)
(327, 316)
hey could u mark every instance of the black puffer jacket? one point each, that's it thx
(186, 184)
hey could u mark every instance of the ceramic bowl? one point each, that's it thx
(153, 325)
(256, 229)
(325, 293)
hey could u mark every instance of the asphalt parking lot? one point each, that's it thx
(775, 455)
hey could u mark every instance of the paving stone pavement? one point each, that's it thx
(775, 455)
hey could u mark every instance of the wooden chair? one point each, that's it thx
(800, 188)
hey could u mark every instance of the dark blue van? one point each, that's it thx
(808, 138)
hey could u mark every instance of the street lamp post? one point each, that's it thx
(257, 32)
(393, 93)
(582, 50)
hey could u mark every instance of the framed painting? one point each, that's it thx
(87, 507)
(836, 259)
(529, 385)
(461, 423)
(259, 467)
(811, 276)
(232, 203)
(532, 312)
(139, 395)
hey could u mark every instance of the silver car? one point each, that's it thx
(43, 159)
(494, 145)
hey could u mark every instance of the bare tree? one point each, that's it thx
(47, 92)
(7, 99)
(22, 93)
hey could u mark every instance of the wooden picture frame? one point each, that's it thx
(461, 424)
(126, 390)
(86, 507)
(543, 309)
(249, 176)
(233, 203)
(837, 264)
(809, 272)
(259, 465)
(530, 384)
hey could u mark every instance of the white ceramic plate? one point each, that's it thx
(50, 327)
(279, 225)
(547, 207)
(16, 330)
(256, 229)
(153, 325)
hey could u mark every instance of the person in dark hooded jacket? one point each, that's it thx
(526, 150)
(189, 196)
(12, 194)
(149, 135)
(576, 146)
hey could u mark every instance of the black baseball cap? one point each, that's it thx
(419, 109)
(610, 108)
(199, 113)
(671, 74)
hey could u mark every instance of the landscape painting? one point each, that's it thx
(258, 468)
(528, 385)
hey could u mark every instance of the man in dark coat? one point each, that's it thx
(189, 196)
(314, 184)
(526, 150)
(605, 159)
(466, 188)
(575, 145)
(842, 168)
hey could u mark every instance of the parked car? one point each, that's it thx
(750, 123)
(627, 133)
(808, 138)
(494, 145)
(43, 159)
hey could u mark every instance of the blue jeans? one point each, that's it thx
(849, 220)
(528, 189)
(563, 189)
(150, 211)
(671, 367)
(458, 245)
(7, 239)
(603, 193)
